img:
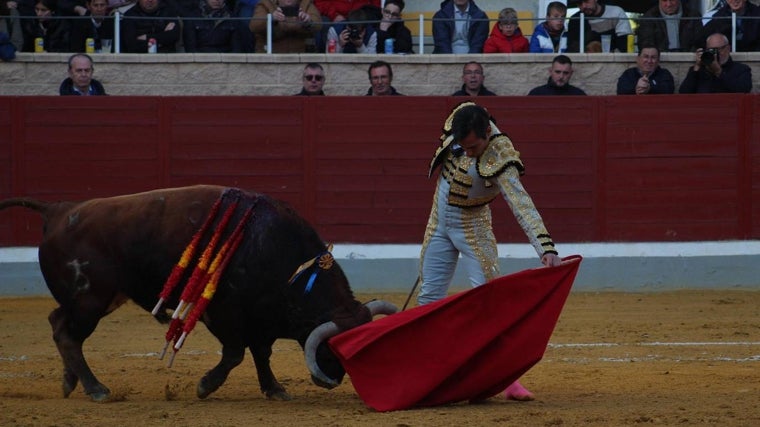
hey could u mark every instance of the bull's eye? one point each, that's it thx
(326, 261)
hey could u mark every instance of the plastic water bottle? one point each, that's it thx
(389, 46)
(152, 46)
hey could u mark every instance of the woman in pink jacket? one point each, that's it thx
(506, 36)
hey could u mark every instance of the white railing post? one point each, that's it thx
(582, 38)
(421, 34)
(269, 33)
(117, 32)
(733, 31)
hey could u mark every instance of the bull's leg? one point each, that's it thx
(69, 335)
(232, 355)
(261, 353)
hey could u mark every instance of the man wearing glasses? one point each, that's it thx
(392, 27)
(313, 80)
(715, 71)
(472, 81)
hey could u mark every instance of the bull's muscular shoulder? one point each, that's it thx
(148, 211)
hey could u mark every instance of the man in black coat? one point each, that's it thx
(747, 22)
(671, 26)
(559, 79)
(472, 81)
(156, 20)
(80, 81)
(99, 27)
(715, 71)
(647, 77)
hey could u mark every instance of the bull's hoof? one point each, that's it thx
(279, 395)
(68, 388)
(99, 396)
(206, 387)
(69, 383)
(100, 393)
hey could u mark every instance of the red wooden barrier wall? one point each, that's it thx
(656, 168)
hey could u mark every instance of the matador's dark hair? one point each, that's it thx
(470, 118)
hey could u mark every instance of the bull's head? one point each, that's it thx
(327, 280)
(326, 370)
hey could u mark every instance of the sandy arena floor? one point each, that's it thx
(672, 358)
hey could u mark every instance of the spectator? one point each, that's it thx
(55, 33)
(709, 14)
(245, 9)
(560, 73)
(600, 20)
(671, 26)
(472, 81)
(506, 36)
(647, 77)
(334, 12)
(393, 27)
(214, 31)
(356, 37)
(747, 25)
(10, 24)
(294, 23)
(459, 27)
(313, 80)
(380, 77)
(80, 81)
(715, 71)
(150, 19)
(100, 26)
(550, 36)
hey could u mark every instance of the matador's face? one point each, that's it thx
(474, 145)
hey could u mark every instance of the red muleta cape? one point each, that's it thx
(469, 346)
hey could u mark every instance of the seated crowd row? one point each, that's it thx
(362, 26)
(713, 72)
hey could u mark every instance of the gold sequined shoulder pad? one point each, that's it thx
(499, 155)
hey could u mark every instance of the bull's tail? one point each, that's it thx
(26, 202)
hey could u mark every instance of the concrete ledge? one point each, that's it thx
(181, 74)
(630, 267)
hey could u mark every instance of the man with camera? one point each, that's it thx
(358, 36)
(715, 71)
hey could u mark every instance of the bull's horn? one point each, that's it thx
(381, 307)
(319, 334)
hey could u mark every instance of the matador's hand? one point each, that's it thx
(550, 260)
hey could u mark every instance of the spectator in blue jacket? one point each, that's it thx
(459, 27)
(550, 36)
(647, 77)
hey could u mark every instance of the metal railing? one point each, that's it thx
(420, 21)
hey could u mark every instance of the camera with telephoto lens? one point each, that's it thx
(709, 56)
(354, 33)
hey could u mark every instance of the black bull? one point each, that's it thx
(97, 254)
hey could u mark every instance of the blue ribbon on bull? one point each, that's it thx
(324, 261)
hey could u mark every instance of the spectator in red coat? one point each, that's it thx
(506, 36)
